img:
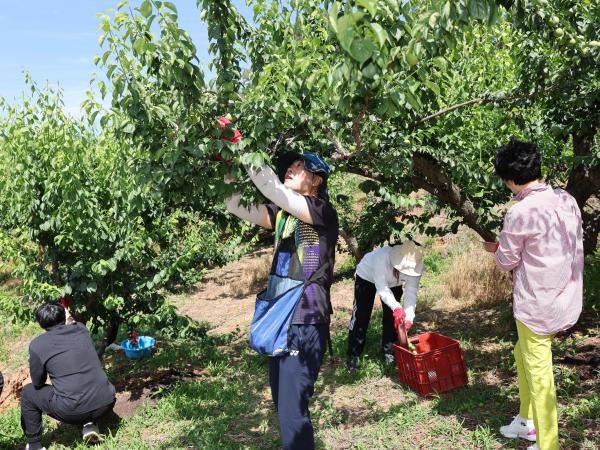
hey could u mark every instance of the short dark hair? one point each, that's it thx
(518, 161)
(50, 314)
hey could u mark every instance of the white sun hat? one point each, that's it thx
(407, 258)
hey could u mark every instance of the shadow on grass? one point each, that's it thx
(216, 389)
(228, 407)
(70, 436)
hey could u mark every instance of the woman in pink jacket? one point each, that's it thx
(542, 244)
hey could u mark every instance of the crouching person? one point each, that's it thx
(80, 392)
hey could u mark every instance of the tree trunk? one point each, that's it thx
(584, 182)
(352, 244)
(591, 229)
(110, 334)
(429, 175)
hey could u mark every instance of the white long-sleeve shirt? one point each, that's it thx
(376, 268)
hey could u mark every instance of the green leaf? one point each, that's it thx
(369, 5)
(478, 9)
(346, 38)
(129, 128)
(345, 29)
(333, 15)
(493, 17)
(440, 62)
(362, 49)
(433, 19)
(381, 34)
(397, 98)
(146, 8)
(139, 45)
(171, 6)
(446, 10)
(411, 58)
(105, 25)
(412, 100)
(433, 86)
(370, 70)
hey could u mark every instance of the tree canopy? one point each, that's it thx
(399, 95)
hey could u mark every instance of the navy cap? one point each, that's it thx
(312, 162)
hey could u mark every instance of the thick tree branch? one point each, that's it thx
(356, 125)
(366, 173)
(343, 154)
(591, 229)
(429, 175)
(351, 243)
(110, 334)
(340, 152)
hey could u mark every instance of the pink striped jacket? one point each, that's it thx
(542, 243)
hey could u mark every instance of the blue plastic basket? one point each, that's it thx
(143, 349)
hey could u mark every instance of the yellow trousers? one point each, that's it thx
(533, 355)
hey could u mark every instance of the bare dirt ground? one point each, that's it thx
(12, 388)
(225, 298)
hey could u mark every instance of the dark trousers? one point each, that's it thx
(35, 402)
(364, 297)
(292, 378)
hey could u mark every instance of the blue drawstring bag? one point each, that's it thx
(274, 310)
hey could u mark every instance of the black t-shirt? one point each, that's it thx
(301, 249)
(66, 353)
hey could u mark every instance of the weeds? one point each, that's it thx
(252, 275)
(473, 276)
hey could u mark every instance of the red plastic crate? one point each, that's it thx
(438, 366)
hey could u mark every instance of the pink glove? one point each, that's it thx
(407, 325)
(399, 316)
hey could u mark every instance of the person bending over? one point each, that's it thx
(80, 391)
(384, 271)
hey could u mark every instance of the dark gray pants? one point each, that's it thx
(35, 402)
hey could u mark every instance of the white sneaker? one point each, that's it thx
(533, 447)
(27, 447)
(519, 428)
(91, 433)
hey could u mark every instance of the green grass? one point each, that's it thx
(228, 407)
(216, 393)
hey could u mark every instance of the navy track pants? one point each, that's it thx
(292, 378)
